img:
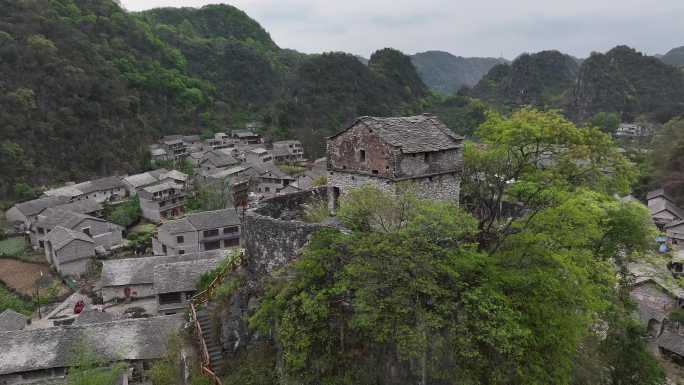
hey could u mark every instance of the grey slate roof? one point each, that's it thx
(174, 174)
(664, 205)
(204, 220)
(177, 226)
(656, 193)
(219, 159)
(181, 276)
(213, 219)
(107, 183)
(145, 178)
(10, 320)
(271, 171)
(671, 341)
(83, 206)
(61, 236)
(413, 134)
(94, 317)
(140, 271)
(131, 339)
(55, 217)
(35, 206)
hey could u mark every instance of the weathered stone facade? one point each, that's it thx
(272, 236)
(384, 152)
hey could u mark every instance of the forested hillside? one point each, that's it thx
(84, 85)
(539, 79)
(630, 83)
(446, 73)
(621, 81)
(87, 85)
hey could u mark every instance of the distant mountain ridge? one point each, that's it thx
(621, 80)
(674, 57)
(537, 79)
(446, 73)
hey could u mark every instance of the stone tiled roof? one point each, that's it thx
(35, 206)
(131, 339)
(268, 170)
(83, 206)
(228, 172)
(94, 317)
(64, 191)
(162, 186)
(10, 320)
(61, 236)
(55, 217)
(413, 134)
(177, 226)
(205, 220)
(145, 178)
(138, 271)
(671, 341)
(174, 174)
(219, 159)
(213, 219)
(664, 205)
(102, 184)
(181, 276)
(657, 193)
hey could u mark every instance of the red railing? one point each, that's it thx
(202, 298)
(205, 360)
(206, 294)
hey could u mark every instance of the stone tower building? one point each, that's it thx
(387, 151)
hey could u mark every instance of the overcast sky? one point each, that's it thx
(465, 28)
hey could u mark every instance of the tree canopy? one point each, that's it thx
(420, 291)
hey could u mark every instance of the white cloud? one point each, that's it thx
(467, 28)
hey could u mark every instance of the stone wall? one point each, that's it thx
(272, 235)
(344, 152)
(424, 163)
(444, 187)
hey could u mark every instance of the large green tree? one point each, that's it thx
(423, 292)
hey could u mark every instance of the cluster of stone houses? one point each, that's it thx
(655, 286)
(380, 151)
(169, 279)
(40, 356)
(239, 161)
(68, 224)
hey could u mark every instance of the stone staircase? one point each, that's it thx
(210, 337)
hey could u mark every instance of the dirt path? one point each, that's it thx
(21, 276)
